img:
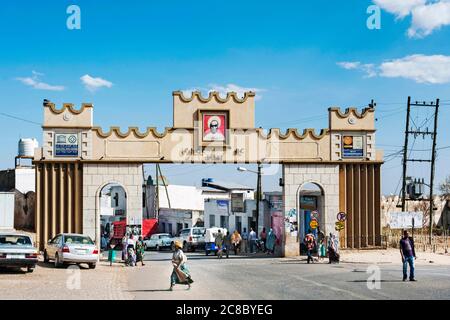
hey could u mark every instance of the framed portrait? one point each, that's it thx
(214, 126)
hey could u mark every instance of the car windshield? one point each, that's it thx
(165, 236)
(198, 232)
(14, 240)
(78, 240)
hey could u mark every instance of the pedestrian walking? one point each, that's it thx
(140, 250)
(180, 273)
(271, 241)
(333, 249)
(309, 241)
(252, 239)
(244, 244)
(125, 248)
(227, 243)
(236, 240)
(219, 243)
(408, 254)
(263, 238)
(321, 243)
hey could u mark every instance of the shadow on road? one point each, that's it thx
(384, 281)
(49, 265)
(150, 290)
(204, 257)
(12, 270)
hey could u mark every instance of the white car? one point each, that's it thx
(71, 248)
(191, 238)
(158, 241)
(17, 251)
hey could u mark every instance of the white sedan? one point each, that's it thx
(158, 241)
(71, 248)
(17, 251)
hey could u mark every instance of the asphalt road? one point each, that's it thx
(274, 278)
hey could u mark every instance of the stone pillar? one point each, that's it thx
(295, 176)
(95, 177)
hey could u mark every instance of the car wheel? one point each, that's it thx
(46, 257)
(92, 265)
(58, 264)
(207, 253)
(30, 269)
(172, 246)
(185, 247)
(157, 248)
(145, 247)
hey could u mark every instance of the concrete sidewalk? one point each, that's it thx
(392, 256)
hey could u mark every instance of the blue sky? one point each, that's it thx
(292, 52)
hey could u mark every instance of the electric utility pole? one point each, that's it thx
(432, 161)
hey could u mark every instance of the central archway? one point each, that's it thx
(310, 205)
(112, 208)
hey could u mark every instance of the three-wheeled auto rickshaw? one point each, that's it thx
(210, 240)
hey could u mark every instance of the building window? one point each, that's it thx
(186, 226)
(239, 224)
(170, 229)
(212, 220)
(224, 222)
(163, 227)
(179, 227)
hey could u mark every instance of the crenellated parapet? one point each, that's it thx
(68, 116)
(187, 111)
(352, 134)
(212, 129)
(351, 119)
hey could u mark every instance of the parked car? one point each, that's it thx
(210, 240)
(17, 251)
(191, 238)
(158, 241)
(71, 248)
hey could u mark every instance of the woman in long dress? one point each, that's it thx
(270, 242)
(180, 273)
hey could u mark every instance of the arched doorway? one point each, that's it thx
(311, 206)
(112, 213)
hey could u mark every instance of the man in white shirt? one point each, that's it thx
(252, 238)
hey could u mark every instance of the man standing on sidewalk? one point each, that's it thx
(252, 239)
(408, 255)
(244, 244)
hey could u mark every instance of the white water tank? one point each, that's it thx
(27, 146)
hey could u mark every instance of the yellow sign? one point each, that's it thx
(340, 225)
(313, 224)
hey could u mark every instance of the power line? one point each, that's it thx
(19, 118)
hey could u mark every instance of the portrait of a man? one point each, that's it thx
(214, 127)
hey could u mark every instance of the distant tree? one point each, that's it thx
(444, 187)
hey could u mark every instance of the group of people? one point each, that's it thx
(133, 250)
(312, 244)
(247, 243)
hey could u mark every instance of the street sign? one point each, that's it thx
(313, 224)
(340, 225)
(315, 214)
(341, 216)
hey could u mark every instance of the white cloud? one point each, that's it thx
(368, 68)
(401, 8)
(93, 84)
(433, 69)
(224, 89)
(35, 82)
(427, 15)
(426, 19)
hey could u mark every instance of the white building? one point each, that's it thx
(179, 207)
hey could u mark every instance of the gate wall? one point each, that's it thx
(59, 200)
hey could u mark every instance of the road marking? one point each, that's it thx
(334, 288)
